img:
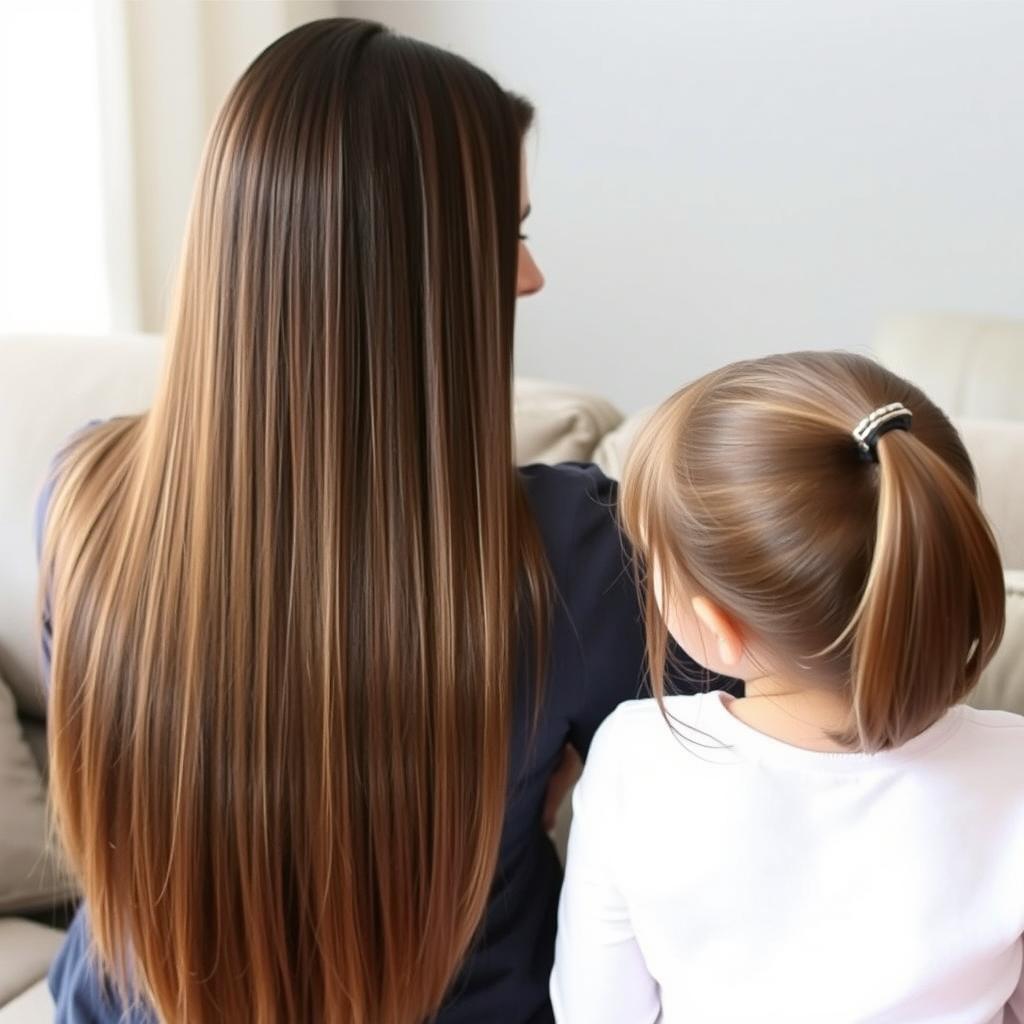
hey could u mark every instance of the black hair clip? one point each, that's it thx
(874, 425)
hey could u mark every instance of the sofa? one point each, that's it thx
(972, 366)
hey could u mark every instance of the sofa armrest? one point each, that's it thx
(1002, 683)
(34, 1006)
(26, 950)
(968, 365)
(996, 448)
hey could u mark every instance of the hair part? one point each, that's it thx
(287, 600)
(880, 580)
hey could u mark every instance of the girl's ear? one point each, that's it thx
(726, 631)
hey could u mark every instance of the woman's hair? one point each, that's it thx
(881, 580)
(287, 600)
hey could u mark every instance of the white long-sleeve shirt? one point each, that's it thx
(759, 882)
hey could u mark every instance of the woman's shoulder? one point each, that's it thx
(574, 505)
(54, 474)
(597, 634)
(554, 484)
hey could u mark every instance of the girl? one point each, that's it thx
(846, 842)
(317, 646)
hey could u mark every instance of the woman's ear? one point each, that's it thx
(726, 631)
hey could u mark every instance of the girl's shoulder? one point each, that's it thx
(1008, 724)
(992, 740)
(641, 760)
(640, 735)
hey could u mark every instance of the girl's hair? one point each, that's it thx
(882, 580)
(286, 601)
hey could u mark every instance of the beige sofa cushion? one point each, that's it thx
(28, 949)
(613, 449)
(559, 424)
(30, 874)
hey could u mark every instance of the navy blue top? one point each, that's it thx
(596, 658)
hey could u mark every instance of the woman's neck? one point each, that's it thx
(801, 716)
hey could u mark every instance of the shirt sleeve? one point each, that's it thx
(46, 626)
(599, 976)
(42, 511)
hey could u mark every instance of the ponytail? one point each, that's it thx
(933, 608)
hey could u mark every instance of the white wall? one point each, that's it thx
(52, 239)
(716, 180)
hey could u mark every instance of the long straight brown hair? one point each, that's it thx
(881, 580)
(286, 601)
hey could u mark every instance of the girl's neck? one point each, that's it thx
(798, 715)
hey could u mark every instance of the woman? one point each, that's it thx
(317, 647)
